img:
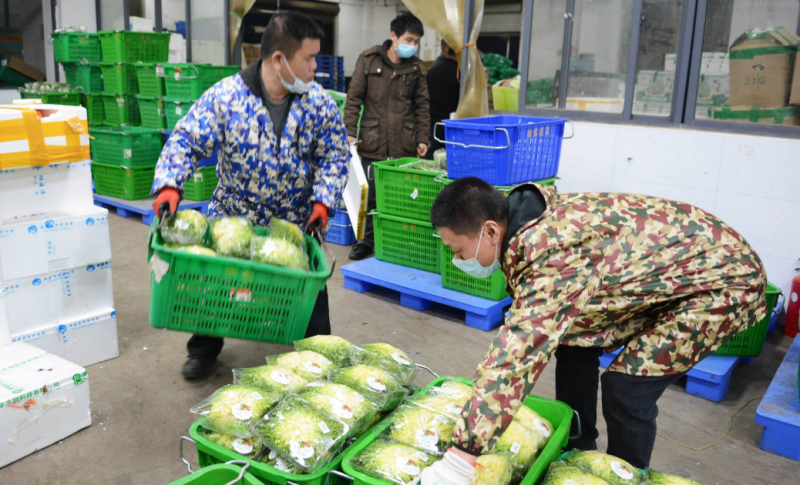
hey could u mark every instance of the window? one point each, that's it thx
(547, 39)
(208, 32)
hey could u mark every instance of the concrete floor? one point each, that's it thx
(141, 404)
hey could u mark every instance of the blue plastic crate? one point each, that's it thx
(341, 230)
(504, 150)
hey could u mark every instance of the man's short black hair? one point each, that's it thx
(466, 204)
(406, 22)
(286, 32)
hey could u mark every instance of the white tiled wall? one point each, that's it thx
(750, 182)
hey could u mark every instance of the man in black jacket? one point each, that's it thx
(443, 88)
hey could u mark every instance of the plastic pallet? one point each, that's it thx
(141, 208)
(779, 411)
(419, 290)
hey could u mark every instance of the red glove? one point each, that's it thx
(319, 212)
(167, 194)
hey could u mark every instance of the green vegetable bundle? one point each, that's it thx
(43, 87)
(233, 409)
(377, 386)
(270, 378)
(522, 445)
(187, 228)
(658, 478)
(301, 433)
(560, 474)
(453, 389)
(537, 425)
(421, 428)
(341, 402)
(386, 357)
(613, 470)
(286, 230)
(307, 364)
(493, 470)
(336, 349)
(231, 236)
(278, 252)
(247, 447)
(394, 462)
(441, 404)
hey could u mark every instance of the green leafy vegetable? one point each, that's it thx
(540, 427)
(307, 364)
(188, 227)
(613, 470)
(231, 236)
(395, 462)
(453, 389)
(247, 447)
(658, 478)
(386, 357)
(560, 474)
(521, 443)
(336, 349)
(286, 230)
(341, 402)
(278, 252)
(275, 460)
(419, 427)
(377, 386)
(271, 378)
(233, 409)
(440, 404)
(493, 470)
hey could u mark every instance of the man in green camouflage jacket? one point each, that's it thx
(588, 272)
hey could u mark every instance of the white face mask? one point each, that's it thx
(473, 267)
(298, 86)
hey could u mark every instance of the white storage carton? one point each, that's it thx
(27, 191)
(43, 399)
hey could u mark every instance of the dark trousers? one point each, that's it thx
(209, 348)
(629, 404)
(369, 231)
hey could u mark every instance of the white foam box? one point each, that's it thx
(33, 302)
(43, 399)
(84, 340)
(710, 63)
(28, 191)
(35, 245)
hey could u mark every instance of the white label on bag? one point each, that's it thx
(427, 438)
(376, 384)
(400, 359)
(312, 367)
(324, 360)
(622, 471)
(359, 397)
(408, 466)
(301, 450)
(280, 377)
(442, 419)
(341, 409)
(272, 454)
(543, 427)
(243, 446)
(415, 194)
(257, 395)
(324, 427)
(422, 456)
(515, 448)
(453, 409)
(242, 411)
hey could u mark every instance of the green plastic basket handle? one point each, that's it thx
(196, 72)
(338, 474)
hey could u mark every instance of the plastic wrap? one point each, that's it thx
(613, 470)
(301, 433)
(521, 443)
(540, 427)
(307, 364)
(278, 252)
(231, 236)
(336, 349)
(341, 402)
(394, 462)
(247, 447)
(658, 478)
(440, 157)
(421, 428)
(381, 389)
(281, 229)
(386, 357)
(234, 409)
(271, 378)
(561, 474)
(440, 404)
(453, 389)
(493, 470)
(198, 250)
(273, 459)
(188, 227)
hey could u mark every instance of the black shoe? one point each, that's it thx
(196, 368)
(360, 251)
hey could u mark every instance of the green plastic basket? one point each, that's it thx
(175, 110)
(75, 46)
(750, 342)
(190, 81)
(493, 288)
(228, 297)
(403, 191)
(128, 146)
(127, 46)
(121, 109)
(95, 111)
(151, 79)
(202, 184)
(123, 182)
(218, 475)
(119, 77)
(84, 75)
(152, 112)
(558, 413)
(406, 242)
(10, 77)
(68, 99)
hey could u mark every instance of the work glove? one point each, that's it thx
(167, 195)
(450, 470)
(320, 212)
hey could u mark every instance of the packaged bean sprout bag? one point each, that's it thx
(307, 364)
(441, 404)
(521, 444)
(493, 470)
(613, 470)
(275, 460)
(288, 231)
(388, 358)
(231, 236)
(658, 478)
(278, 252)
(271, 378)
(341, 402)
(187, 228)
(381, 389)
(562, 474)
(336, 349)
(453, 389)
(419, 427)
(247, 447)
(539, 426)
(391, 461)
(234, 409)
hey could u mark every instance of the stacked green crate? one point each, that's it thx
(185, 83)
(150, 77)
(124, 160)
(79, 55)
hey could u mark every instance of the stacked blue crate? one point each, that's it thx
(330, 72)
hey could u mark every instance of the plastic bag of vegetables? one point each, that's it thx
(493, 470)
(281, 229)
(440, 404)
(522, 445)
(336, 349)
(271, 378)
(301, 433)
(386, 357)
(658, 478)
(231, 236)
(278, 252)
(247, 447)
(419, 427)
(375, 420)
(394, 462)
(307, 364)
(453, 389)
(341, 402)
(613, 470)
(539, 426)
(561, 474)
(377, 386)
(188, 227)
(275, 460)
(233, 409)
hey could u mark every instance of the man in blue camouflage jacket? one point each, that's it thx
(283, 150)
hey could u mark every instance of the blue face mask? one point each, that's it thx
(473, 267)
(406, 51)
(298, 86)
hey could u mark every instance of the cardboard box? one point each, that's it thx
(654, 87)
(786, 116)
(42, 134)
(45, 243)
(761, 65)
(84, 340)
(22, 67)
(56, 187)
(43, 399)
(34, 302)
(795, 95)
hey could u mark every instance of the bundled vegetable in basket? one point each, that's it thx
(336, 349)
(453, 389)
(273, 459)
(188, 227)
(302, 433)
(232, 236)
(341, 402)
(440, 404)
(658, 478)
(521, 443)
(493, 470)
(386, 357)
(271, 378)
(377, 386)
(394, 462)
(307, 364)
(539, 426)
(613, 470)
(560, 474)
(278, 252)
(286, 230)
(198, 250)
(375, 420)
(233, 409)
(415, 426)
(247, 447)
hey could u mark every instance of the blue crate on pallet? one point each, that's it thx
(341, 230)
(779, 411)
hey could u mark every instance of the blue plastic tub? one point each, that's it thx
(341, 231)
(504, 150)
